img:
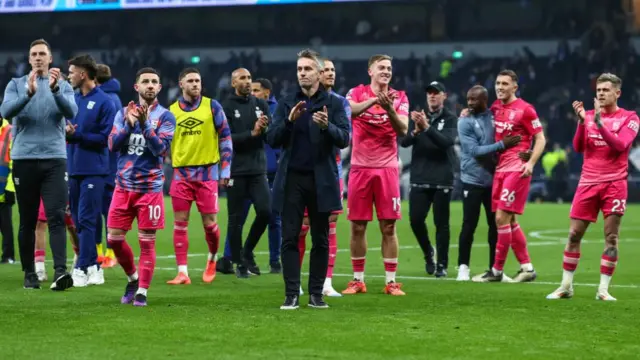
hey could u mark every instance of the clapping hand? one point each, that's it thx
(297, 111)
(54, 76)
(321, 118)
(142, 114)
(130, 115)
(32, 83)
(260, 125)
(578, 108)
(386, 100)
(70, 128)
(420, 119)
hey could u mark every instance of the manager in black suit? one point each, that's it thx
(308, 125)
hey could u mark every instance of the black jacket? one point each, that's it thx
(242, 112)
(433, 158)
(323, 145)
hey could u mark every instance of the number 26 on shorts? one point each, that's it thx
(154, 212)
(507, 196)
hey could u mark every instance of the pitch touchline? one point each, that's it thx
(436, 279)
(407, 247)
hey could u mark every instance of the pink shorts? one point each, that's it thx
(42, 215)
(510, 192)
(147, 208)
(589, 199)
(337, 212)
(204, 193)
(374, 185)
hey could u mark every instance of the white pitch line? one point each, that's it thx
(546, 283)
(408, 247)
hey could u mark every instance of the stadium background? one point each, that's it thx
(556, 47)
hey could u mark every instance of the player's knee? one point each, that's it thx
(575, 235)
(358, 228)
(503, 218)
(305, 221)
(388, 230)
(147, 232)
(611, 240)
(208, 219)
(41, 226)
(333, 218)
(181, 216)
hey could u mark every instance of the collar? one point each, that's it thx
(182, 101)
(437, 114)
(322, 92)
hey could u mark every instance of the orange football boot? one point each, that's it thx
(109, 262)
(181, 279)
(354, 287)
(393, 288)
(209, 272)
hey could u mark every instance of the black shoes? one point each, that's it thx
(31, 281)
(62, 281)
(291, 302)
(317, 302)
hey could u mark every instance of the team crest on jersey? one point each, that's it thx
(236, 114)
(440, 125)
(616, 126)
(512, 115)
(91, 104)
(258, 112)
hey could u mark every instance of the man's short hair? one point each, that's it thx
(313, 55)
(609, 77)
(187, 71)
(379, 57)
(40, 42)
(87, 63)
(509, 73)
(264, 83)
(146, 70)
(104, 73)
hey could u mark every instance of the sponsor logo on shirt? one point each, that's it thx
(191, 124)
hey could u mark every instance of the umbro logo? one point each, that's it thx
(191, 123)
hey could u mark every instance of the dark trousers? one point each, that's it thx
(420, 201)
(107, 195)
(300, 192)
(275, 229)
(256, 188)
(472, 198)
(6, 225)
(85, 202)
(45, 178)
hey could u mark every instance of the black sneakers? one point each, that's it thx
(252, 267)
(224, 266)
(317, 302)
(441, 271)
(291, 302)
(62, 281)
(430, 262)
(275, 267)
(242, 272)
(31, 281)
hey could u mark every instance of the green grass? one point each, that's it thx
(441, 319)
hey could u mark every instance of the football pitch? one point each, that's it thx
(437, 319)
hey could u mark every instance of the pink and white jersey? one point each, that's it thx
(374, 140)
(516, 118)
(606, 150)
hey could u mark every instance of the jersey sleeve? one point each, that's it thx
(403, 105)
(353, 94)
(624, 138)
(530, 121)
(225, 145)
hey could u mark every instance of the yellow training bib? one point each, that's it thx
(195, 140)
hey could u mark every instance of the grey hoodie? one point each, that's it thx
(478, 148)
(39, 121)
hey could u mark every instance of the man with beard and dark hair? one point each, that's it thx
(200, 155)
(477, 166)
(88, 164)
(248, 119)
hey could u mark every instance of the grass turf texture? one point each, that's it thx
(233, 318)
